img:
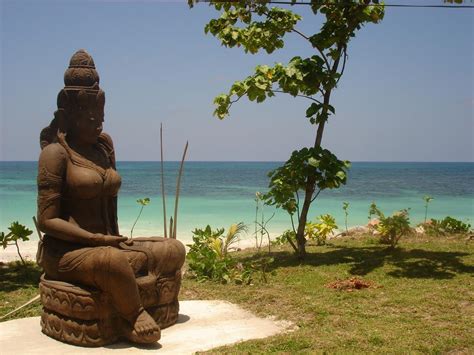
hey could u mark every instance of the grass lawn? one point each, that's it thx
(424, 302)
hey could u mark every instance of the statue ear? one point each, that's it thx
(60, 118)
(100, 98)
(63, 99)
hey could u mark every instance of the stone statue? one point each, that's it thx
(97, 286)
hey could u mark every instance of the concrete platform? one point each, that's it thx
(202, 325)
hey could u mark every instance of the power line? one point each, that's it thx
(384, 5)
(453, 6)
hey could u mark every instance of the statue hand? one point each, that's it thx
(107, 240)
(128, 241)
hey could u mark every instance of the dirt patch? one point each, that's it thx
(354, 283)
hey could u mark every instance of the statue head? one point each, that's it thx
(80, 103)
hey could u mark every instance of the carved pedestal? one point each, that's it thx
(84, 316)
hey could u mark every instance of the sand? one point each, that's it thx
(28, 249)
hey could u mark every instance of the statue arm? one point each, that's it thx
(108, 145)
(51, 175)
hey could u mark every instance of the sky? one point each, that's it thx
(407, 93)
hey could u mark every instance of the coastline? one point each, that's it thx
(29, 248)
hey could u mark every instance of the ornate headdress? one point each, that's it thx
(81, 86)
(81, 81)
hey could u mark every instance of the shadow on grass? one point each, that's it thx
(14, 276)
(413, 263)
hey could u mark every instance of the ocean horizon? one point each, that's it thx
(220, 193)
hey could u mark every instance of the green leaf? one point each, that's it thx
(313, 162)
(313, 109)
(341, 175)
(19, 231)
(143, 201)
(3, 240)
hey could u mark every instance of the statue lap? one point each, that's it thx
(77, 311)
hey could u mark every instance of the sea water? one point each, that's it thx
(222, 193)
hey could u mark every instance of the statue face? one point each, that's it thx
(87, 122)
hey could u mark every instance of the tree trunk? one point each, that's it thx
(303, 217)
(310, 182)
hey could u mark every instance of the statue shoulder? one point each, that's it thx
(105, 138)
(108, 145)
(53, 158)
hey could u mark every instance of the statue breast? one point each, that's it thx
(86, 182)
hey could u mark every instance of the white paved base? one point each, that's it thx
(202, 325)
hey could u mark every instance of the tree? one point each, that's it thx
(17, 232)
(257, 25)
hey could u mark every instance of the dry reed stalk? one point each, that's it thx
(163, 180)
(178, 185)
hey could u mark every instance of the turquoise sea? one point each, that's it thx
(222, 193)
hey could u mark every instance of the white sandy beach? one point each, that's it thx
(28, 249)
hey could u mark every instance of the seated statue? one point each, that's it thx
(82, 249)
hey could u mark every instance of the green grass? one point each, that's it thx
(424, 302)
(19, 284)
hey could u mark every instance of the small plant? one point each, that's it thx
(391, 228)
(427, 200)
(143, 202)
(261, 265)
(257, 207)
(209, 259)
(17, 232)
(285, 238)
(374, 210)
(448, 225)
(261, 223)
(345, 207)
(320, 231)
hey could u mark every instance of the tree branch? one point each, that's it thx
(306, 38)
(317, 194)
(297, 204)
(343, 63)
(289, 238)
(237, 99)
(292, 223)
(319, 50)
(304, 96)
(327, 96)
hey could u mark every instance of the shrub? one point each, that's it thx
(391, 228)
(285, 237)
(320, 231)
(448, 225)
(209, 259)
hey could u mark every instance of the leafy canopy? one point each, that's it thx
(327, 170)
(255, 26)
